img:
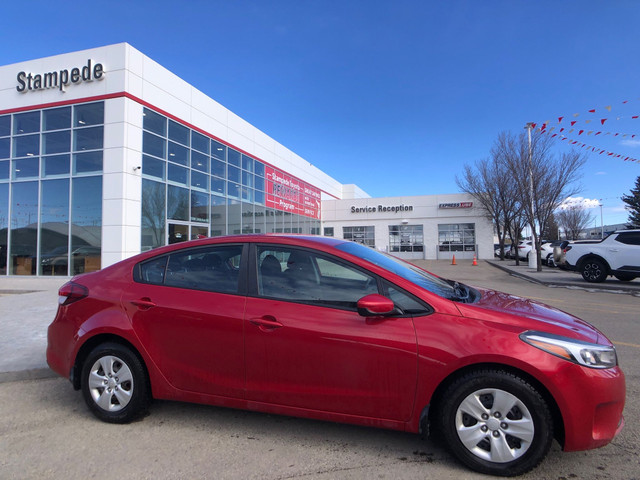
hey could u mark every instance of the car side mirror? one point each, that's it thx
(375, 305)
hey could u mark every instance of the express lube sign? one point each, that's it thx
(60, 79)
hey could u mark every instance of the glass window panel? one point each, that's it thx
(247, 179)
(28, 122)
(88, 138)
(154, 145)
(259, 184)
(153, 167)
(247, 163)
(247, 194)
(56, 142)
(218, 185)
(205, 269)
(177, 203)
(86, 224)
(4, 225)
(154, 122)
(5, 147)
(177, 174)
(4, 170)
(218, 168)
(199, 207)
(233, 190)
(199, 142)
(233, 157)
(178, 133)
(153, 214)
(87, 162)
(364, 235)
(233, 174)
(56, 118)
(259, 169)
(24, 224)
(56, 165)
(5, 125)
(54, 221)
(218, 150)
(234, 217)
(26, 168)
(218, 216)
(199, 180)
(26, 146)
(178, 154)
(199, 161)
(89, 114)
(258, 197)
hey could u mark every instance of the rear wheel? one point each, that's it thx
(496, 423)
(114, 384)
(550, 261)
(594, 270)
(624, 277)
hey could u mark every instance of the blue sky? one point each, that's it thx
(394, 96)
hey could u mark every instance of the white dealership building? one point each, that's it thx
(105, 153)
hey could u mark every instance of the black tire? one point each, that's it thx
(593, 270)
(625, 277)
(114, 384)
(485, 434)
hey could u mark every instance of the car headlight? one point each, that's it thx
(586, 354)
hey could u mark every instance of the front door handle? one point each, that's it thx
(266, 323)
(144, 303)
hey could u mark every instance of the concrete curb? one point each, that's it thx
(32, 374)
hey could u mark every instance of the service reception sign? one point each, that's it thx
(289, 194)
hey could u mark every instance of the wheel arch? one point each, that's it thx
(430, 412)
(91, 343)
(590, 256)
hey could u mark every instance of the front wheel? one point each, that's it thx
(550, 261)
(114, 384)
(496, 423)
(594, 271)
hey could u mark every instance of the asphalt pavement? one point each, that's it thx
(28, 305)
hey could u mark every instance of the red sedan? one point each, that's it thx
(322, 328)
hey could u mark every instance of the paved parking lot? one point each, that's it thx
(46, 431)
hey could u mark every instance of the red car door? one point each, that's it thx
(186, 310)
(307, 347)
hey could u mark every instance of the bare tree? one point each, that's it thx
(548, 179)
(573, 219)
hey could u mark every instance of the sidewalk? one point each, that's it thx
(28, 305)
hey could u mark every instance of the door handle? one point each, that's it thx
(144, 303)
(266, 323)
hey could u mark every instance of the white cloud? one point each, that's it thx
(630, 143)
(580, 202)
(601, 173)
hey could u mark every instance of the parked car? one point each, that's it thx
(524, 249)
(321, 328)
(617, 255)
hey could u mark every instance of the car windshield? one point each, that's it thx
(444, 288)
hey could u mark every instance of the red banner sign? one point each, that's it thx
(286, 193)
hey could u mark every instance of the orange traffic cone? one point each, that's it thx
(475, 263)
(453, 261)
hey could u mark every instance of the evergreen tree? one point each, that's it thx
(633, 205)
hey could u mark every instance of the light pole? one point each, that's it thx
(533, 254)
(601, 222)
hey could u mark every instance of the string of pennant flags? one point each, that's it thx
(566, 126)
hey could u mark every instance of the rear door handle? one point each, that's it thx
(144, 303)
(266, 323)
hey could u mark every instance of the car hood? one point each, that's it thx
(529, 315)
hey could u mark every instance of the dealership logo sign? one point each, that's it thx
(59, 79)
(456, 205)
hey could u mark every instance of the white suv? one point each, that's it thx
(617, 255)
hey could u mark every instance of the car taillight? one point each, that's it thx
(71, 292)
(566, 249)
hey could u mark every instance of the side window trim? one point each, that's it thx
(429, 309)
